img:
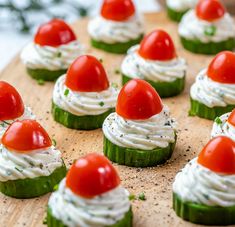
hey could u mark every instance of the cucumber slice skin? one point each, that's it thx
(69, 120)
(135, 157)
(164, 89)
(174, 15)
(33, 187)
(125, 222)
(202, 214)
(116, 48)
(46, 75)
(203, 111)
(210, 48)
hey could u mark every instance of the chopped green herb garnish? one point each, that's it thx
(141, 196)
(218, 121)
(44, 221)
(53, 142)
(210, 31)
(117, 71)
(101, 103)
(66, 92)
(206, 196)
(114, 85)
(41, 82)
(132, 197)
(20, 170)
(101, 60)
(55, 188)
(59, 54)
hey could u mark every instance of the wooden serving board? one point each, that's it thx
(156, 182)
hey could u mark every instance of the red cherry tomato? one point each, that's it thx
(11, 104)
(210, 10)
(138, 100)
(219, 155)
(26, 135)
(117, 10)
(157, 45)
(87, 74)
(54, 33)
(91, 176)
(231, 118)
(222, 68)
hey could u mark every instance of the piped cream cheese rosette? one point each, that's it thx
(155, 60)
(91, 196)
(177, 8)
(206, 185)
(84, 97)
(54, 48)
(141, 133)
(207, 29)
(12, 107)
(30, 165)
(213, 92)
(117, 28)
(224, 125)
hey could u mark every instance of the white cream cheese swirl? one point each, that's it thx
(109, 31)
(181, 5)
(212, 93)
(157, 131)
(84, 103)
(75, 211)
(222, 127)
(36, 163)
(193, 28)
(35, 56)
(198, 184)
(135, 66)
(26, 115)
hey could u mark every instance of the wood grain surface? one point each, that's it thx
(156, 182)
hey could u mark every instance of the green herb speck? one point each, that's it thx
(117, 71)
(141, 196)
(66, 92)
(132, 197)
(53, 142)
(101, 103)
(20, 170)
(44, 221)
(210, 30)
(114, 85)
(206, 196)
(41, 82)
(101, 60)
(59, 54)
(218, 121)
(55, 188)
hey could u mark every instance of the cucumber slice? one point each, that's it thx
(211, 48)
(174, 15)
(135, 157)
(202, 214)
(164, 89)
(44, 74)
(125, 222)
(203, 111)
(70, 120)
(33, 187)
(116, 48)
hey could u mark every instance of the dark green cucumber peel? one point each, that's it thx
(116, 48)
(125, 222)
(33, 187)
(203, 111)
(135, 157)
(174, 15)
(70, 120)
(44, 74)
(210, 48)
(202, 214)
(164, 89)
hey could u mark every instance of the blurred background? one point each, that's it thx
(20, 18)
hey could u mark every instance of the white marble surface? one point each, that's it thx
(11, 41)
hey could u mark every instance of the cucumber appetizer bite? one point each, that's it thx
(141, 133)
(117, 28)
(203, 192)
(83, 98)
(12, 107)
(54, 48)
(155, 60)
(177, 8)
(91, 196)
(29, 165)
(213, 93)
(224, 125)
(207, 29)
